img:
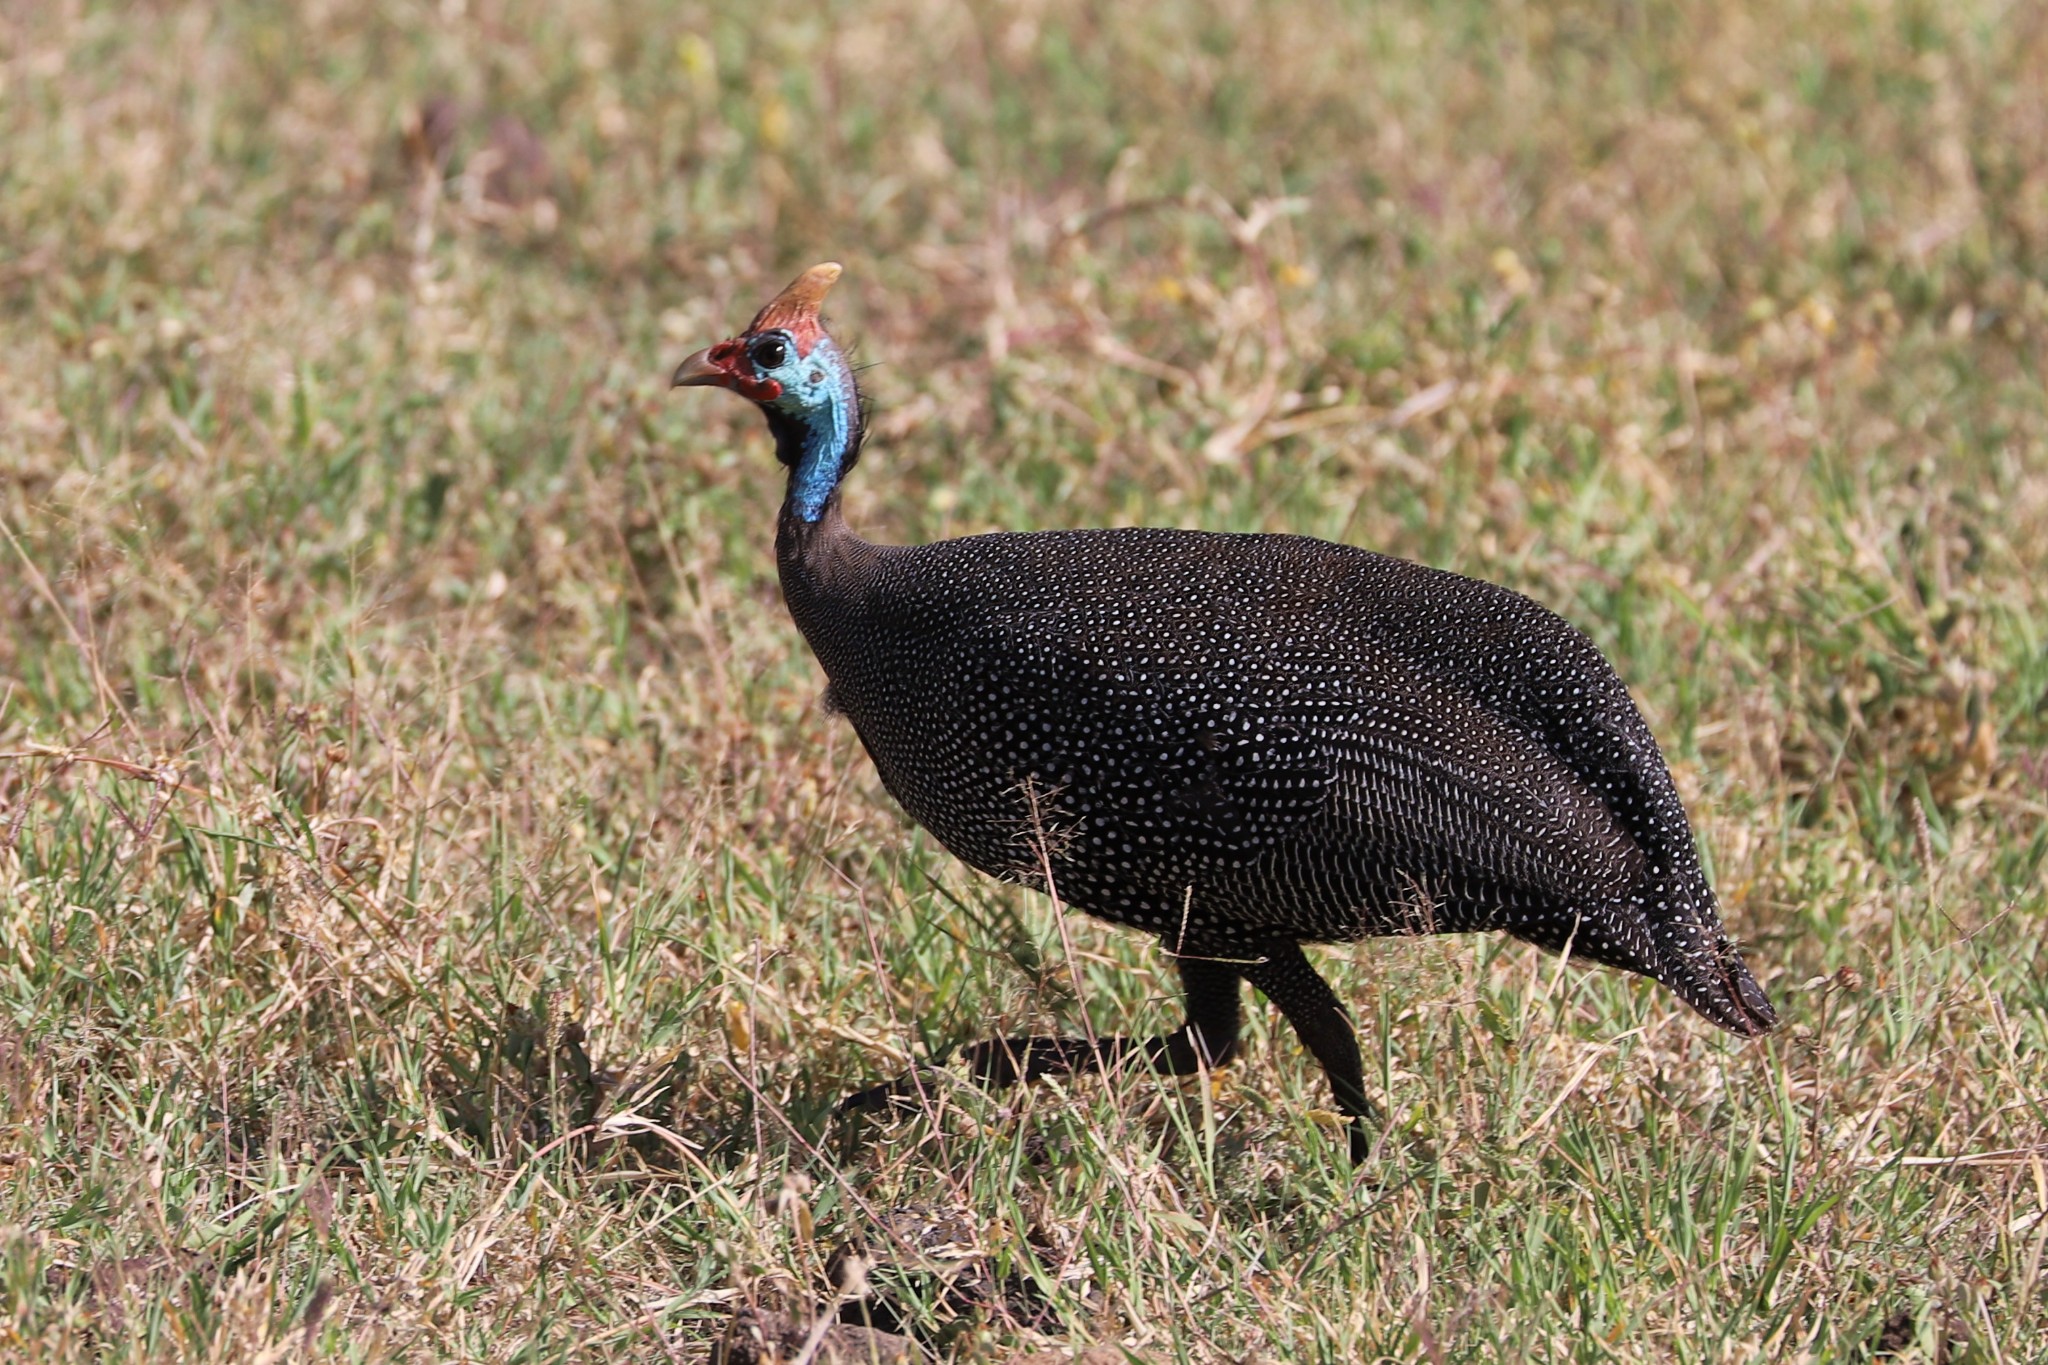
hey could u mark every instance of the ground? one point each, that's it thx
(438, 913)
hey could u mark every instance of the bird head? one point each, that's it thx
(776, 360)
(787, 364)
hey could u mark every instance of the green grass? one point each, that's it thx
(437, 915)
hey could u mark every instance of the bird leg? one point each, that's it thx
(1287, 979)
(1208, 1038)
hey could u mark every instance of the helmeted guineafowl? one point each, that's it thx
(1239, 743)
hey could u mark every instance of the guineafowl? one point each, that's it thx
(1238, 743)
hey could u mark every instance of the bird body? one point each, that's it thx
(1237, 743)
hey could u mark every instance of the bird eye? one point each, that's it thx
(768, 353)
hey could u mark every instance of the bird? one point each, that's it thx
(1236, 743)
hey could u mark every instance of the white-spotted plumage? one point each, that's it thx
(1226, 738)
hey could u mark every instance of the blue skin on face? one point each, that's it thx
(817, 392)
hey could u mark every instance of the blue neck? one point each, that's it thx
(817, 428)
(821, 463)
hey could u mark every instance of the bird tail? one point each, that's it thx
(1701, 963)
(1726, 993)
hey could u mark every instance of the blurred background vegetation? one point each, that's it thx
(437, 916)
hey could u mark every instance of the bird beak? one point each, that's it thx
(700, 370)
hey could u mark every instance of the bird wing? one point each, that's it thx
(1536, 674)
(1539, 674)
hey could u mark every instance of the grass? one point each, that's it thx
(437, 915)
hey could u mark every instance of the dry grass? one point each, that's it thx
(436, 915)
